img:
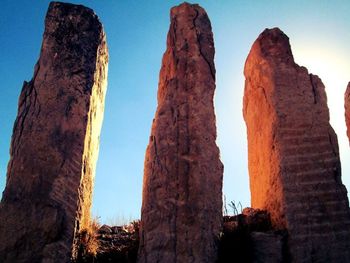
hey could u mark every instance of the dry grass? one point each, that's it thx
(119, 220)
(99, 244)
(88, 241)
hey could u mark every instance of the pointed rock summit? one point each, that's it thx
(347, 109)
(182, 187)
(55, 140)
(293, 154)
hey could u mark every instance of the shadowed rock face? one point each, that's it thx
(347, 109)
(55, 140)
(293, 153)
(182, 187)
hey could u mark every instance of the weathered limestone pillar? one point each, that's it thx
(347, 109)
(294, 164)
(182, 187)
(55, 140)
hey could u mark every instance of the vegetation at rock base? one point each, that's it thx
(238, 240)
(88, 241)
(104, 243)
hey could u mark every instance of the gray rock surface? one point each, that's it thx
(267, 247)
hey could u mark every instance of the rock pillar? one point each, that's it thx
(294, 164)
(55, 140)
(182, 188)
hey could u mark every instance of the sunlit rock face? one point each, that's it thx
(294, 164)
(182, 187)
(55, 140)
(347, 109)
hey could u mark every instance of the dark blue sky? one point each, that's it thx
(136, 35)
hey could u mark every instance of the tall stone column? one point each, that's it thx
(182, 188)
(55, 140)
(347, 109)
(294, 164)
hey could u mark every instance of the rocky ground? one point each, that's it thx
(247, 237)
(114, 244)
(250, 237)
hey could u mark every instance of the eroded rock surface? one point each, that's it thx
(55, 140)
(182, 188)
(347, 109)
(267, 247)
(294, 164)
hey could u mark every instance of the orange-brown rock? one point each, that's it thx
(182, 188)
(347, 109)
(294, 164)
(55, 140)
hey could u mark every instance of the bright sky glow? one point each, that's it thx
(136, 35)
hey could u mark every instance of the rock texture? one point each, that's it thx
(236, 242)
(267, 247)
(347, 109)
(182, 188)
(55, 140)
(294, 164)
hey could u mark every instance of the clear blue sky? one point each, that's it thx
(136, 35)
